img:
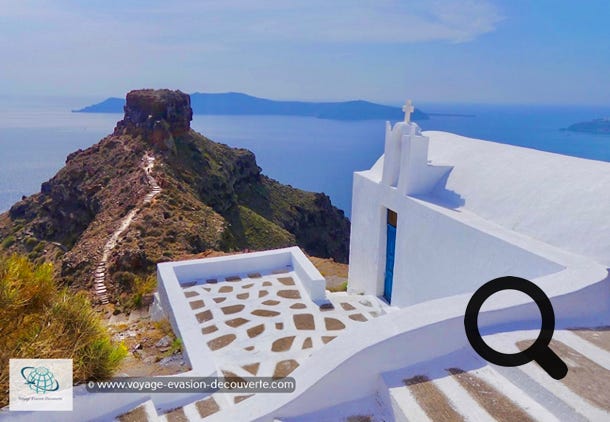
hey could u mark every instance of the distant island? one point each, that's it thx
(234, 103)
(598, 126)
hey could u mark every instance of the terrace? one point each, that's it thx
(259, 314)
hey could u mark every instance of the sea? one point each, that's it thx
(36, 135)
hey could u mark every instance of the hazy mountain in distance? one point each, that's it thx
(234, 103)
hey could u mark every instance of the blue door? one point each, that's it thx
(389, 262)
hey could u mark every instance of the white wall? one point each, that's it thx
(367, 237)
(442, 256)
(439, 252)
(199, 270)
(416, 175)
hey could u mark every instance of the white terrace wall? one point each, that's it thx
(291, 259)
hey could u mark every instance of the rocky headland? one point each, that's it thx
(155, 190)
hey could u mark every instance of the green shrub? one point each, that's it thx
(8, 241)
(40, 320)
(39, 247)
(142, 286)
(154, 232)
(134, 288)
(30, 243)
(124, 279)
(175, 347)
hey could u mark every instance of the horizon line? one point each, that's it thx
(392, 103)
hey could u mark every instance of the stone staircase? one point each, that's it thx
(98, 282)
(199, 410)
(464, 387)
(99, 275)
(195, 411)
(149, 163)
(143, 413)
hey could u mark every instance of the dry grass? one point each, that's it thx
(141, 287)
(40, 320)
(335, 273)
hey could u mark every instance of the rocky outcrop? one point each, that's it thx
(156, 115)
(210, 197)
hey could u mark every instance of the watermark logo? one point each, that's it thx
(39, 379)
(40, 384)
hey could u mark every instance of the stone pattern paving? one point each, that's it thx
(269, 321)
(99, 275)
(264, 325)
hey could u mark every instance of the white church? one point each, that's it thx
(440, 214)
(437, 216)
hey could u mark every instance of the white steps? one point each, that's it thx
(485, 392)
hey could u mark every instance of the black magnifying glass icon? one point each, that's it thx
(539, 351)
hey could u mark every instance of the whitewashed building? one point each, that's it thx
(440, 214)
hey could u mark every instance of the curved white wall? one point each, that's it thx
(348, 368)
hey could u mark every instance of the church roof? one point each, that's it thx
(563, 201)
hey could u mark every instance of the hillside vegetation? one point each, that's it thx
(41, 320)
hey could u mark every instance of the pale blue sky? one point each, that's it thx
(512, 51)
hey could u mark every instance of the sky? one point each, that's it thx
(466, 51)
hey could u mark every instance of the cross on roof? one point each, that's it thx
(408, 109)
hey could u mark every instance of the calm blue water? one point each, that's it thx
(308, 153)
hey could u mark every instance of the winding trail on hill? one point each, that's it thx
(148, 163)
